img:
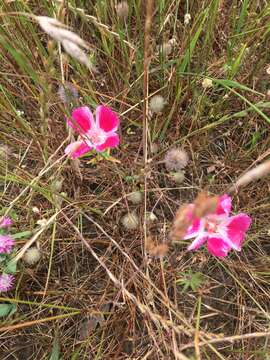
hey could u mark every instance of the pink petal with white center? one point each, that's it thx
(106, 119)
(194, 229)
(198, 242)
(77, 149)
(218, 247)
(236, 227)
(82, 119)
(224, 205)
(111, 142)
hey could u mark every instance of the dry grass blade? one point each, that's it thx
(230, 339)
(147, 54)
(35, 322)
(254, 174)
(59, 31)
(72, 43)
(77, 53)
(103, 27)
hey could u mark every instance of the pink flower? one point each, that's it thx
(221, 231)
(98, 134)
(6, 244)
(5, 222)
(6, 282)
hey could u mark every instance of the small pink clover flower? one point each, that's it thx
(6, 244)
(5, 222)
(6, 282)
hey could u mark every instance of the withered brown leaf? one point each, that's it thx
(204, 204)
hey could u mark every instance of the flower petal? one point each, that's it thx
(111, 142)
(77, 149)
(236, 228)
(224, 205)
(106, 119)
(6, 244)
(218, 247)
(82, 119)
(194, 229)
(198, 242)
(5, 222)
(241, 222)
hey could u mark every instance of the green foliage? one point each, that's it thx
(7, 309)
(55, 354)
(192, 280)
(12, 213)
(11, 267)
(22, 235)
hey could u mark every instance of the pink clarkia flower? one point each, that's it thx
(98, 134)
(6, 282)
(6, 244)
(5, 222)
(221, 231)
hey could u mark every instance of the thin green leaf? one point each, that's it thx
(7, 309)
(55, 354)
(11, 267)
(22, 235)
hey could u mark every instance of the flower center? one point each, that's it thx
(211, 226)
(5, 282)
(96, 136)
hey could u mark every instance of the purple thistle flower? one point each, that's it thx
(6, 244)
(5, 222)
(6, 282)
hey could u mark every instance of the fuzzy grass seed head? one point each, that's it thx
(32, 255)
(178, 177)
(135, 197)
(122, 10)
(157, 103)
(130, 221)
(176, 159)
